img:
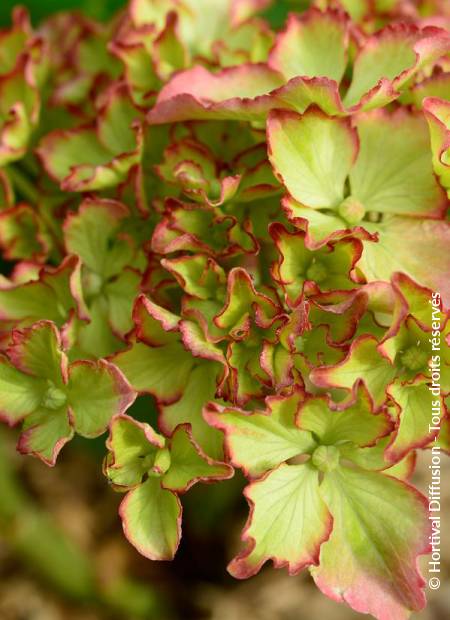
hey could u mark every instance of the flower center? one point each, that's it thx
(162, 462)
(351, 210)
(54, 398)
(317, 272)
(326, 458)
(413, 358)
(93, 283)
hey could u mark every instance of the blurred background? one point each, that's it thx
(63, 555)
(62, 552)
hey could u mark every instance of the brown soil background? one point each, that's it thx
(196, 585)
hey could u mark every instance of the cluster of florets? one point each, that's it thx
(249, 225)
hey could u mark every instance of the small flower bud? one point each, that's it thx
(326, 458)
(351, 210)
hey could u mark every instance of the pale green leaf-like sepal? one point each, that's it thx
(380, 526)
(287, 524)
(151, 519)
(189, 464)
(259, 441)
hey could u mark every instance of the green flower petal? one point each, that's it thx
(356, 424)
(120, 294)
(429, 264)
(45, 432)
(287, 524)
(161, 371)
(200, 387)
(20, 394)
(312, 155)
(260, 441)
(313, 44)
(327, 268)
(54, 296)
(37, 351)
(198, 275)
(188, 464)
(92, 234)
(369, 562)
(363, 361)
(414, 426)
(99, 156)
(96, 392)
(391, 57)
(151, 519)
(21, 234)
(133, 446)
(402, 183)
(437, 113)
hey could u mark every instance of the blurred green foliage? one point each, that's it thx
(103, 9)
(98, 9)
